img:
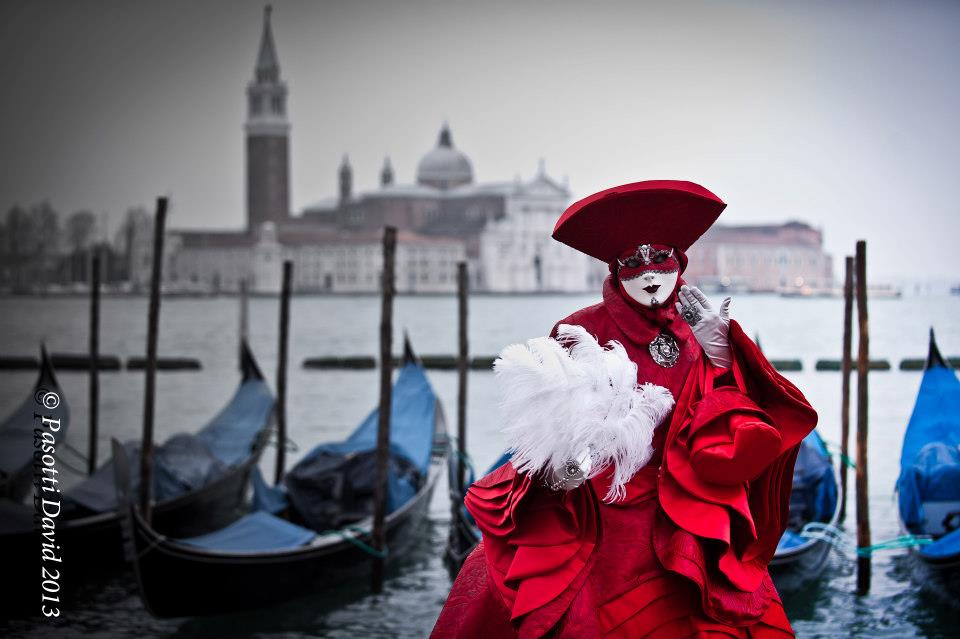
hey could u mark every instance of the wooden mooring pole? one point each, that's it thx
(150, 366)
(463, 363)
(383, 425)
(244, 318)
(863, 368)
(845, 366)
(282, 371)
(94, 384)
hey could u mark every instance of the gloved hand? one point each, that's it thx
(710, 327)
(573, 473)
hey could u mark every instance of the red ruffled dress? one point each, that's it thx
(685, 553)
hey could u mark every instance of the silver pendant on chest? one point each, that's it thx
(664, 350)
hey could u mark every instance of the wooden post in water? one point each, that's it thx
(383, 425)
(863, 368)
(282, 371)
(244, 318)
(845, 367)
(94, 385)
(462, 364)
(150, 366)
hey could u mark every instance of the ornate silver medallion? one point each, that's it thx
(664, 350)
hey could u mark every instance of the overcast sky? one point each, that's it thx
(842, 114)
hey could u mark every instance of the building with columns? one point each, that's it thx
(781, 258)
(502, 229)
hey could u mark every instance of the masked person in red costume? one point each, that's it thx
(653, 451)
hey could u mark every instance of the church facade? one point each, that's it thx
(501, 229)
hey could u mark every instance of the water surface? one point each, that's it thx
(326, 405)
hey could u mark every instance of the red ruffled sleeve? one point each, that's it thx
(537, 554)
(725, 482)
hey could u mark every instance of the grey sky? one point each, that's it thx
(843, 114)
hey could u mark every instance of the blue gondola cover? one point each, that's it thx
(813, 480)
(412, 405)
(186, 462)
(412, 419)
(790, 540)
(255, 532)
(271, 499)
(946, 546)
(232, 433)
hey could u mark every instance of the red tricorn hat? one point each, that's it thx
(671, 212)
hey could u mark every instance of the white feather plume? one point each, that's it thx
(559, 402)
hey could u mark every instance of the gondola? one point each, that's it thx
(17, 443)
(310, 533)
(928, 488)
(800, 555)
(200, 484)
(20, 434)
(815, 503)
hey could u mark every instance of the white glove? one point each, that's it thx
(710, 327)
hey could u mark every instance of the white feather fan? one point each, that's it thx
(558, 403)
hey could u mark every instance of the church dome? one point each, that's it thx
(444, 166)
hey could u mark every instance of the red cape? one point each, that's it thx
(696, 551)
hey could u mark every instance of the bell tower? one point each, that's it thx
(268, 136)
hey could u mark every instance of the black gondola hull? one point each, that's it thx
(940, 575)
(792, 573)
(177, 580)
(463, 537)
(92, 546)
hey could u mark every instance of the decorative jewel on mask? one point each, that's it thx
(664, 350)
(645, 255)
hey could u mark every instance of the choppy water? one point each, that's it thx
(325, 405)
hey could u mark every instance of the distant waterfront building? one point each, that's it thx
(502, 229)
(786, 258)
(136, 240)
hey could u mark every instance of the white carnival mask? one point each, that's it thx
(649, 274)
(651, 288)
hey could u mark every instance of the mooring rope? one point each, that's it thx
(834, 449)
(903, 541)
(289, 444)
(836, 537)
(844, 543)
(356, 541)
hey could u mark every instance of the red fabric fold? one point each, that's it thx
(722, 536)
(732, 439)
(535, 552)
